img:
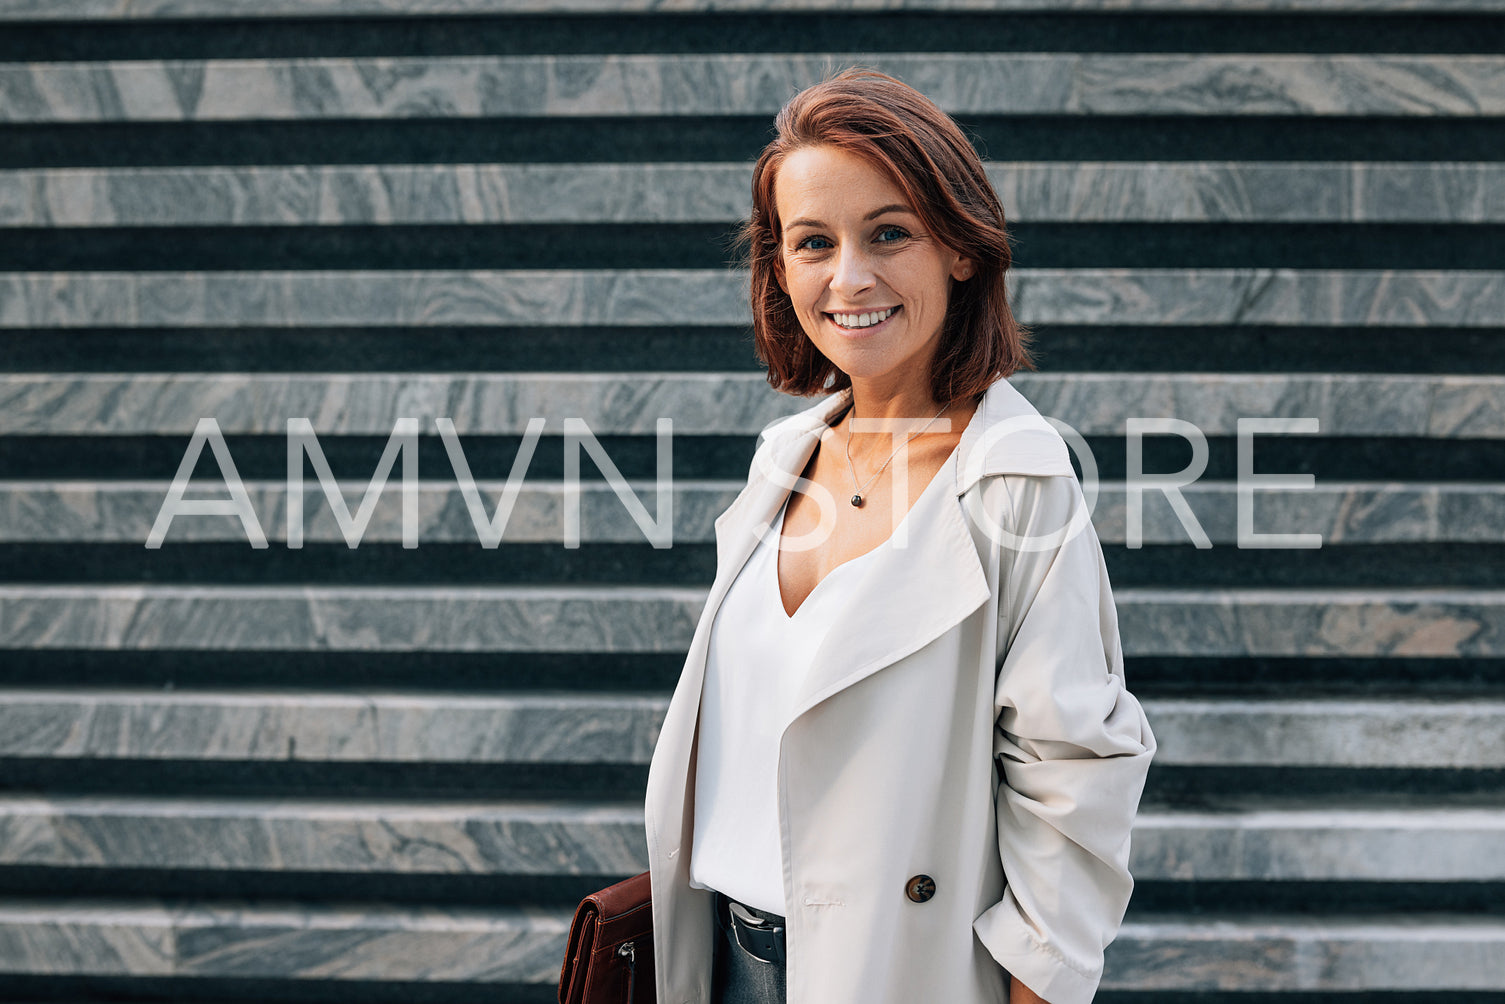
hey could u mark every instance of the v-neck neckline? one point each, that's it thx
(778, 543)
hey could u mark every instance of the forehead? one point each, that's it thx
(822, 181)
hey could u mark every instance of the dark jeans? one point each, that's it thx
(738, 977)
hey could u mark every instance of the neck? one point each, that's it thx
(895, 403)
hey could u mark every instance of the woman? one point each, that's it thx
(900, 765)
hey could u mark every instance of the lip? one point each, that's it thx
(863, 332)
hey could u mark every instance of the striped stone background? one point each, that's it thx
(386, 773)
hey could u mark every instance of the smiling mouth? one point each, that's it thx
(856, 322)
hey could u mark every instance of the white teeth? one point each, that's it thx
(863, 320)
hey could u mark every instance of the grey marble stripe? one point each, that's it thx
(329, 195)
(752, 84)
(1411, 732)
(697, 403)
(1416, 844)
(125, 10)
(106, 937)
(330, 727)
(1191, 192)
(622, 728)
(1282, 954)
(404, 298)
(110, 937)
(396, 619)
(126, 511)
(1446, 623)
(374, 194)
(434, 837)
(376, 298)
(1342, 512)
(1409, 623)
(1345, 404)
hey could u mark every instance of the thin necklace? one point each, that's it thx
(857, 498)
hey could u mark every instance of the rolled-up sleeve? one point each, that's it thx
(1072, 746)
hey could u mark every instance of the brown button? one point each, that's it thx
(920, 888)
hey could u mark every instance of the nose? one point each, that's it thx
(853, 270)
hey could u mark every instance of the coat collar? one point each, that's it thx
(1007, 435)
(902, 603)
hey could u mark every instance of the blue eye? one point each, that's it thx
(898, 233)
(809, 242)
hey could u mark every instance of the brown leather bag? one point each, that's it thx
(609, 959)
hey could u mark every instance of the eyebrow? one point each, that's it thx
(896, 207)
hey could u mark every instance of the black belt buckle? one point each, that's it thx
(756, 936)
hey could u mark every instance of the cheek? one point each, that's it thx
(800, 288)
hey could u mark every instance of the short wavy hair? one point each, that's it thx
(924, 152)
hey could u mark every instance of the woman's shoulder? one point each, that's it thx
(1009, 436)
(805, 420)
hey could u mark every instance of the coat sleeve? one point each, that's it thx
(1072, 746)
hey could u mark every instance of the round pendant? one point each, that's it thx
(857, 501)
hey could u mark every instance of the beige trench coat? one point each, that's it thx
(965, 719)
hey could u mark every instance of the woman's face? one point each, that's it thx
(868, 283)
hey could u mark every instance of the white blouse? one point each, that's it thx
(757, 659)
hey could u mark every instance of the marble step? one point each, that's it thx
(332, 195)
(220, 90)
(1204, 622)
(395, 727)
(1318, 954)
(142, 10)
(524, 946)
(70, 512)
(1334, 844)
(327, 727)
(291, 941)
(1405, 733)
(404, 298)
(173, 404)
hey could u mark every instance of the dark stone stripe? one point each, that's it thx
(725, 457)
(1294, 677)
(1460, 565)
(63, 989)
(472, 890)
(1359, 458)
(1199, 788)
(1387, 565)
(1217, 788)
(712, 245)
(447, 672)
(1397, 458)
(1057, 348)
(427, 349)
(894, 31)
(1323, 997)
(1220, 900)
(533, 246)
(1150, 677)
(734, 139)
(1226, 900)
(426, 782)
(1252, 349)
(372, 563)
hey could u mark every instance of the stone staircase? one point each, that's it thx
(386, 773)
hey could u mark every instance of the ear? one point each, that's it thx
(963, 269)
(778, 272)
